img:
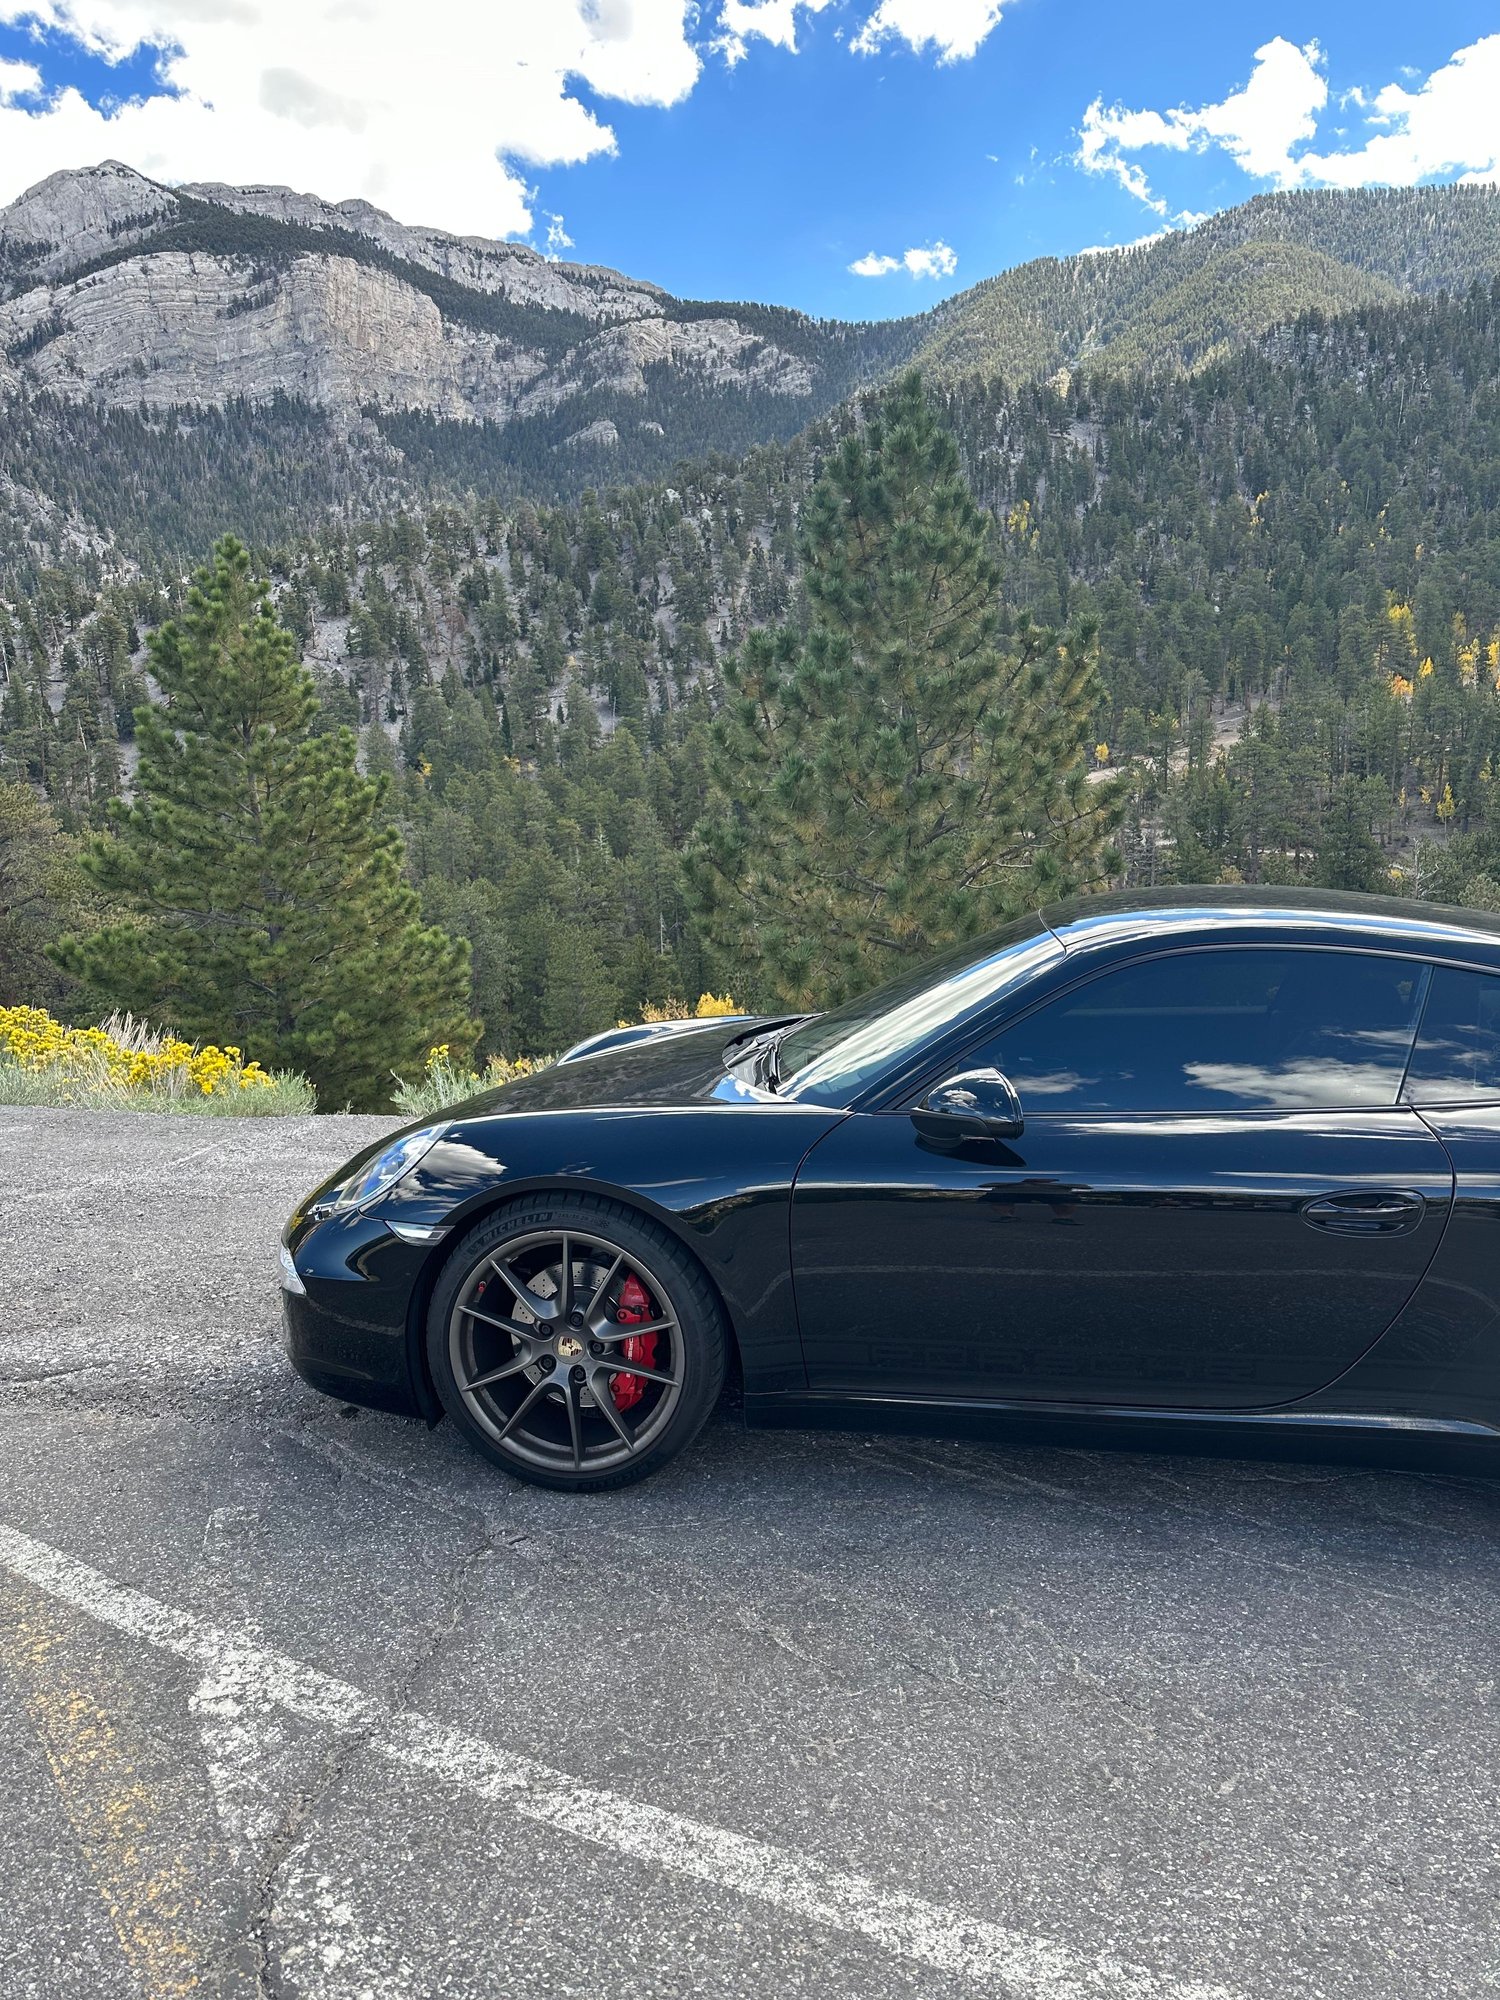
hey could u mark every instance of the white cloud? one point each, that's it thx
(934, 260)
(955, 28)
(1450, 124)
(423, 113)
(1257, 126)
(774, 20)
(1130, 176)
(18, 79)
(873, 266)
(937, 261)
(1447, 124)
(558, 238)
(288, 94)
(1278, 108)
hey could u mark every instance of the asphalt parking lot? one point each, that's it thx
(306, 1703)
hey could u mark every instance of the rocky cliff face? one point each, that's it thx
(120, 290)
(513, 270)
(175, 328)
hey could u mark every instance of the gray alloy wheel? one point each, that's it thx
(575, 1342)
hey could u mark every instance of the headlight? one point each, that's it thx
(388, 1166)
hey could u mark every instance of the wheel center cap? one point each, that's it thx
(568, 1347)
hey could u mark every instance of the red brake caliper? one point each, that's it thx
(635, 1306)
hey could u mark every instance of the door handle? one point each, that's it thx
(1365, 1212)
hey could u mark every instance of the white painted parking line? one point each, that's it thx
(1000, 1960)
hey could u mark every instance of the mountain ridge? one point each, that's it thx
(117, 287)
(1055, 312)
(126, 203)
(493, 331)
(339, 362)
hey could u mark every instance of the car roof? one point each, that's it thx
(1242, 912)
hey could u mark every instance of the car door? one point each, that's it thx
(1217, 1200)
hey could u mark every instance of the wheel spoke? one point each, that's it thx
(538, 1389)
(575, 1423)
(646, 1374)
(514, 1327)
(613, 1331)
(533, 1301)
(606, 1405)
(511, 1367)
(603, 1286)
(565, 1280)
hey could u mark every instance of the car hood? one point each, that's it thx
(685, 1067)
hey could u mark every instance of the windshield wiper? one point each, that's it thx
(768, 1055)
(759, 1053)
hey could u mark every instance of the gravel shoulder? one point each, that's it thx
(304, 1703)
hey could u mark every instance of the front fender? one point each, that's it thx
(717, 1178)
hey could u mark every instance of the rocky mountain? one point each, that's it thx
(174, 361)
(119, 289)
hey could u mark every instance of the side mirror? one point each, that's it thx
(980, 1104)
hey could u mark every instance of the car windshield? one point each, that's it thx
(833, 1057)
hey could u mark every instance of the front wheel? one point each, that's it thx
(574, 1342)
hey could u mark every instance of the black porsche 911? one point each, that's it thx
(1193, 1166)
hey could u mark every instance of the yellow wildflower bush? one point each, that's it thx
(125, 1061)
(445, 1082)
(710, 1007)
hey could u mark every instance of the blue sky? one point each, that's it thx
(852, 157)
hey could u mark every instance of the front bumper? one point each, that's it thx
(353, 1330)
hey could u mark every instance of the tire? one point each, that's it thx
(533, 1348)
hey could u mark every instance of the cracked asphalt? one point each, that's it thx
(303, 1703)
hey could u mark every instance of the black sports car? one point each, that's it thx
(1204, 1163)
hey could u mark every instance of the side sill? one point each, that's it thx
(806, 1410)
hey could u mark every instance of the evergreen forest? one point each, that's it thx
(1276, 574)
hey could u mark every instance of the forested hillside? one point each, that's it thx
(1293, 554)
(1178, 297)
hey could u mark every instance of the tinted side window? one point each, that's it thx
(1221, 1030)
(1458, 1051)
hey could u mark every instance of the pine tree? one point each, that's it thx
(42, 894)
(900, 775)
(1349, 856)
(269, 904)
(578, 996)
